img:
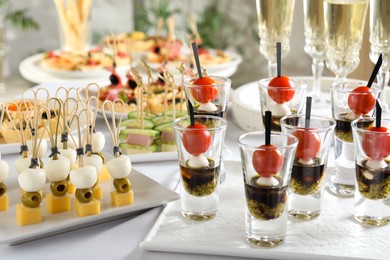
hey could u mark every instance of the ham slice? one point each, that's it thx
(139, 139)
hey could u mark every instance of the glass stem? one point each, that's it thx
(272, 69)
(317, 68)
(383, 79)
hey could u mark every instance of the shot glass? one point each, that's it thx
(199, 155)
(208, 99)
(281, 101)
(308, 172)
(372, 159)
(266, 196)
(345, 103)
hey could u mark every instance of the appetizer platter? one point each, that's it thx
(324, 238)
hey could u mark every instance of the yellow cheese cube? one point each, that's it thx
(55, 204)
(27, 216)
(122, 199)
(87, 209)
(104, 175)
(4, 202)
(71, 188)
(74, 166)
(97, 192)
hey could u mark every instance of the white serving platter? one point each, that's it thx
(334, 235)
(147, 194)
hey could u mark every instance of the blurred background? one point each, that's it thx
(227, 24)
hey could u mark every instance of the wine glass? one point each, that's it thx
(344, 24)
(315, 45)
(380, 43)
(275, 20)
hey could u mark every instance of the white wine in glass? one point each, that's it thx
(380, 42)
(344, 24)
(275, 21)
(315, 45)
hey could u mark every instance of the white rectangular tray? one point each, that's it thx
(147, 194)
(334, 235)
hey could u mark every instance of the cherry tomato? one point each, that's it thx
(376, 146)
(361, 101)
(204, 90)
(309, 144)
(283, 92)
(197, 139)
(267, 161)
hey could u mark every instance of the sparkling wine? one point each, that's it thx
(275, 20)
(314, 28)
(380, 31)
(344, 24)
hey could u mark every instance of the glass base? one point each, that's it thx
(199, 217)
(342, 190)
(265, 242)
(304, 215)
(372, 221)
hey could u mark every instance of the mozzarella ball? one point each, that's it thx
(280, 110)
(208, 107)
(119, 167)
(267, 181)
(57, 170)
(42, 149)
(95, 161)
(98, 142)
(22, 163)
(69, 154)
(83, 177)
(4, 170)
(32, 180)
(199, 161)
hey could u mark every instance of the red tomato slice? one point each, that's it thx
(282, 91)
(204, 90)
(197, 139)
(267, 161)
(376, 146)
(361, 101)
(309, 144)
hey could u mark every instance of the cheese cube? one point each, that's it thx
(28, 216)
(104, 175)
(71, 188)
(87, 209)
(122, 199)
(55, 204)
(4, 202)
(97, 192)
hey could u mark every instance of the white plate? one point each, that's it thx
(31, 70)
(153, 157)
(333, 235)
(147, 194)
(225, 69)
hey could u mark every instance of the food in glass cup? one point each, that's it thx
(200, 152)
(282, 96)
(209, 95)
(372, 146)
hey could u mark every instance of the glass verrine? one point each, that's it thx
(380, 43)
(208, 99)
(275, 21)
(308, 172)
(372, 150)
(342, 179)
(315, 46)
(281, 101)
(344, 25)
(200, 164)
(266, 197)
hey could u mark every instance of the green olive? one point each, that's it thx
(122, 185)
(101, 156)
(3, 189)
(59, 188)
(84, 195)
(31, 199)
